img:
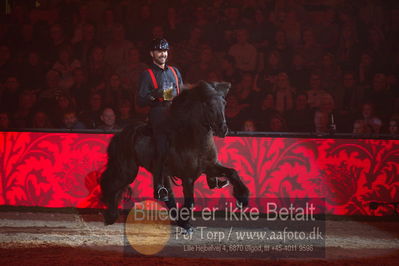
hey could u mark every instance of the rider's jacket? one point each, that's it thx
(158, 85)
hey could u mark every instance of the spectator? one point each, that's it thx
(377, 45)
(267, 78)
(200, 70)
(350, 97)
(4, 120)
(91, 115)
(381, 95)
(41, 120)
(23, 115)
(262, 32)
(125, 116)
(115, 92)
(370, 119)
(10, 94)
(348, 48)
(290, 31)
(130, 71)
(200, 18)
(58, 40)
(244, 53)
(106, 27)
(327, 30)
(316, 92)
(6, 65)
(281, 46)
(321, 122)
(360, 128)
(71, 120)
(266, 112)
(366, 68)
(33, 71)
(157, 32)
(249, 126)
(98, 71)
(236, 111)
(330, 73)
(108, 119)
(24, 42)
(284, 93)
(48, 95)
(299, 119)
(117, 51)
(65, 65)
(230, 22)
(83, 47)
(141, 24)
(80, 89)
(277, 124)
(299, 74)
(190, 49)
(173, 25)
(393, 128)
(63, 103)
(310, 49)
(228, 71)
(248, 92)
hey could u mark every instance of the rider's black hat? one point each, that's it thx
(159, 44)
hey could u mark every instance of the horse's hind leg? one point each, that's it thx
(240, 190)
(114, 181)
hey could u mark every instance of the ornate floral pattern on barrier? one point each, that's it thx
(63, 169)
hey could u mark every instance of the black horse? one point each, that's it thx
(195, 116)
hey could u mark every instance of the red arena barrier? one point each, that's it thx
(62, 170)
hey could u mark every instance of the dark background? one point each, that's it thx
(305, 66)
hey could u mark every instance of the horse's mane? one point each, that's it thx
(188, 106)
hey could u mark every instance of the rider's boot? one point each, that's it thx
(160, 191)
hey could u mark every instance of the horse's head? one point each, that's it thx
(214, 102)
(203, 105)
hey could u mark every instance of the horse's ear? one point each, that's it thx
(203, 89)
(222, 87)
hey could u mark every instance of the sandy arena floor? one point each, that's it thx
(39, 238)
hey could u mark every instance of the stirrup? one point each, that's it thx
(222, 183)
(162, 190)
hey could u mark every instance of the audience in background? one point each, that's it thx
(293, 65)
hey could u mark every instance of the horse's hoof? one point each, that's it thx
(242, 203)
(110, 217)
(187, 228)
(188, 231)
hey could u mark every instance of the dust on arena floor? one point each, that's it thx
(74, 238)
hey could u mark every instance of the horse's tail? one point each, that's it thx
(120, 172)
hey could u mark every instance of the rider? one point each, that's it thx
(158, 85)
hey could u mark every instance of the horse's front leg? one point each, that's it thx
(184, 216)
(171, 203)
(240, 190)
(175, 213)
